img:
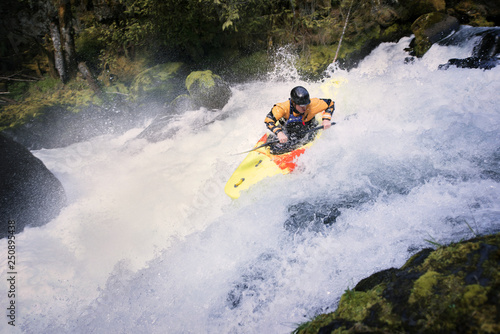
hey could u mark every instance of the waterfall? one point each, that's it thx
(150, 243)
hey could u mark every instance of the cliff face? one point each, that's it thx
(453, 289)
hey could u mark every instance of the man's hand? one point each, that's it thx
(326, 124)
(282, 137)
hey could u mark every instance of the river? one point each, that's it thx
(150, 243)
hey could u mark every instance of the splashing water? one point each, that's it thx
(149, 242)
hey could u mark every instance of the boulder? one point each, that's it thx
(477, 13)
(416, 8)
(485, 54)
(30, 195)
(181, 104)
(162, 127)
(161, 83)
(453, 289)
(208, 90)
(385, 16)
(429, 29)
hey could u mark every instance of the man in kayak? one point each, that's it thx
(292, 121)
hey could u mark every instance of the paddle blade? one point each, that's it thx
(260, 146)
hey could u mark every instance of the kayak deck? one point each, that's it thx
(260, 164)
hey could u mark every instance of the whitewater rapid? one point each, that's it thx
(150, 243)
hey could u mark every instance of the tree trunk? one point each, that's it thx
(68, 42)
(58, 52)
(51, 62)
(85, 71)
(50, 58)
(61, 32)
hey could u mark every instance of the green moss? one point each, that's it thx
(17, 90)
(313, 326)
(423, 287)
(475, 13)
(313, 62)
(391, 30)
(48, 85)
(117, 88)
(161, 83)
(475, 295)
(452, 289)
(355, 305)
(201, 78)
(122, 69)
(445, 259)
(47, 93)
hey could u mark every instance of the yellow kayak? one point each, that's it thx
(259, 164)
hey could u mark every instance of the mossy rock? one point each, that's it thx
(161, 83)
(454, 289)
(208, 90)
(117, 88)
(430, 28)
(385, 16)
(122, 70)
(476, 14)
(421, 7)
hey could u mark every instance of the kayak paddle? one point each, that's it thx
(275, 141)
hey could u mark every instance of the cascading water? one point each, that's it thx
(149, 242)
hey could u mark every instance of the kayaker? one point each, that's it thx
(291, 121)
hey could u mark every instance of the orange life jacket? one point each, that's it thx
(286, 112)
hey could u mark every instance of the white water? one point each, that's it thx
(149, 242)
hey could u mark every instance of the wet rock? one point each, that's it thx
(160, 129)
(208, 90)
(163, 127)
(161, 83)
(485, 54)
(453, 289)
(421, 7)
(385, 16)
(429, 29)
(30, 194)
(477, 13)
(470, 62)
(250, 284)
(182, 103)
(311, 217)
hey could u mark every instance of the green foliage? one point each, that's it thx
(119, 34)
(45, 93)
(88, 44)
(17, 90)
(46, 85)
(252, 66)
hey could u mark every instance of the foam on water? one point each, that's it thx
(149, 242)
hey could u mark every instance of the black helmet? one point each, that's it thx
(300, 96)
